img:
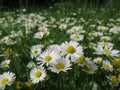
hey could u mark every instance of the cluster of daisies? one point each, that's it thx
(89, 46)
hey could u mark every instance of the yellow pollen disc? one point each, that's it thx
(76, 36)
(87, 67)
(114, 79)
(105, 43)
(48, 58)
(4, 64)
(60, 66)
(116, 62)
(38, 74)
(106, 51)
(35, 51)
(4, 81)
(70, 49)
(8, 52)
(106, 66)
(42, 29)
(81, 59)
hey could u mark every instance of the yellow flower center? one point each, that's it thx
(60, 66)
(30, 84)
(35, 51)
(76, 36)
(42, 29)
(38, 74)
(4, 64)
(87, 67)
(114, 79)
(106, 51)
(70, 49)
(81, 59)
(106, 66)
(4, 80)
(48, 58)
(8, 52)
(116, 62)
(19, 84)
(105, 43)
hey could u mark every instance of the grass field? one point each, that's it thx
(63, 47)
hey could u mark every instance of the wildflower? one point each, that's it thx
(116, 62)
(19, 84)
(76, 37)
(90, 67)
(114, 80)
(98, 60)
(7, 78)
(47, 57)
(107, 66)
(37, 74)
(61, 64)
(62, 26)
(35, 51)
(5, 64)
(39, 35)
(71, 49)
(8, 52)
(106, 51)
(29, 84)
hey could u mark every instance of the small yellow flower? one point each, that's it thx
(29, 84)
(116, 62)
(19, 84)
(114, 80)
(8, 52)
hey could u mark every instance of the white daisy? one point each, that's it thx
(105, 38)
(105, 44)
(107, 66)
(39, 35)
(76, 37)
(106, 51)
(47, 57)
(61, 64)
(37, 74)
(102, 28)
(98, 60)
(35, 51)
(5, 64)
(31, 65)
(7, 78)
(90, 67)
(62, 26)
(71, 49)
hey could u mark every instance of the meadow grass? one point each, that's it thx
(94, 29)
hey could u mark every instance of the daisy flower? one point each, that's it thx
(76, 37)
(105, 44)
(114, 80)
(39, 35)
(105, 38)
(71, 49)
(102, 28)
(106, 51)
(5, 64)
(47, 57)
(35, 51)
(61, 64)
(107, 66)
(7, 78)
(37, 74)
(98, 60)
(62, 26)
(90, 67)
